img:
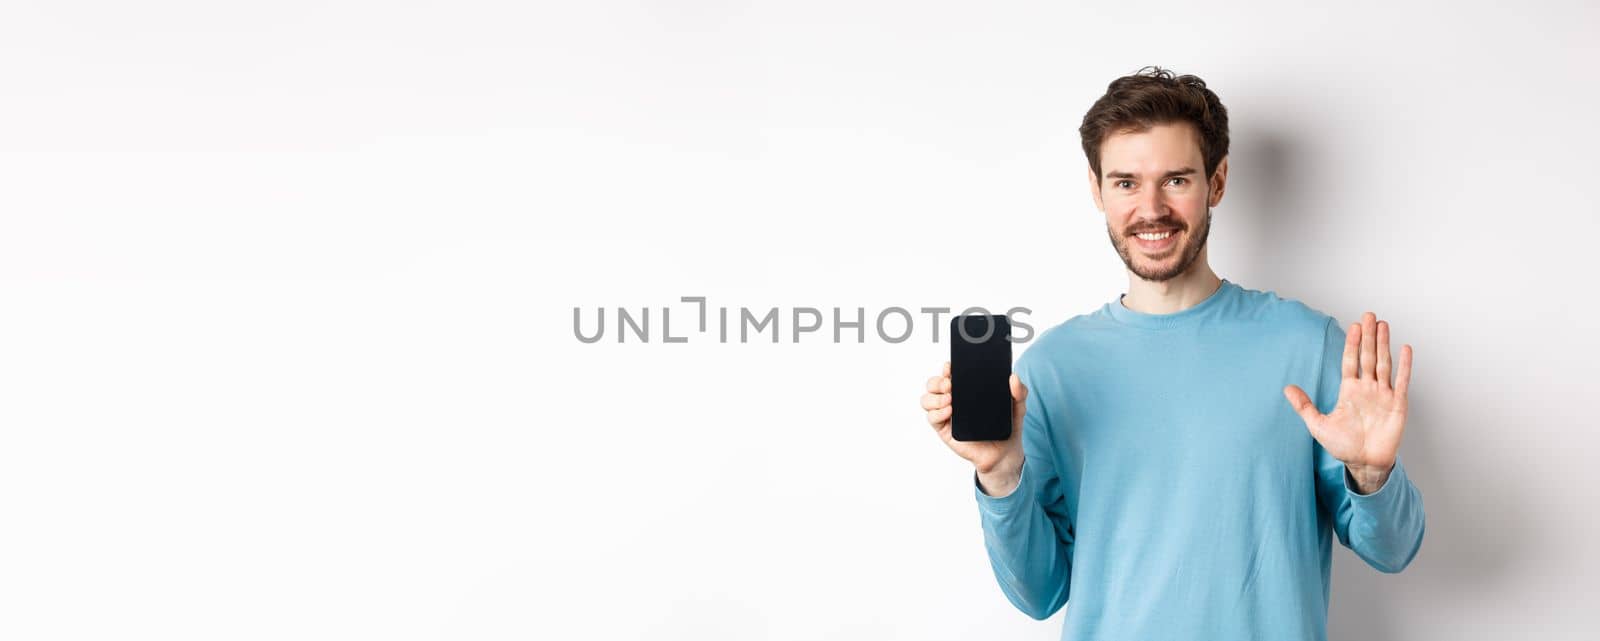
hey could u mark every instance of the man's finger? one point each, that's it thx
(1383, 354)
(935, 401)
(937, 417)
(933, 384)
(1019, 403)
(1302, 405)
(1369, 346)
(1402, 379)
(1352, 345)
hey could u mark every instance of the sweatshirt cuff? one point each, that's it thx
(1002, 505)
(1386, 495)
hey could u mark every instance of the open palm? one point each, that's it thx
(1365, 426)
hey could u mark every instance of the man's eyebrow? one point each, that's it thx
(1176, 172)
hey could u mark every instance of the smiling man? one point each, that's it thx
(1182, 457)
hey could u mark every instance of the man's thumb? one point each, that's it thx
(1302, 404)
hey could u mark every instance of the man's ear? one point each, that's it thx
(1219, 182)
(1094, 190)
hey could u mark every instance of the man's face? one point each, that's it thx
(1154, 183)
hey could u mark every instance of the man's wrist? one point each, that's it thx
(1002, 479)
(1368, 478)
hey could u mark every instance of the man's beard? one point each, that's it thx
(1188, 253)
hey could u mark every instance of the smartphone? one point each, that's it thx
(980, 377)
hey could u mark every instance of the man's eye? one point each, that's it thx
(1179, 180)
(1120, 183)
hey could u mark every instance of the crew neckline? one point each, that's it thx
(1122, 314)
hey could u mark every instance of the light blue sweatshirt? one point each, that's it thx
(1170, 491)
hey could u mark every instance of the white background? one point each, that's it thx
(286, 297)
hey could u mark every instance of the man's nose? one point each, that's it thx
(1152, 205)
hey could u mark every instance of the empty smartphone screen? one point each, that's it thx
(980, 378)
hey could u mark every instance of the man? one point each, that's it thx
(1180, 456)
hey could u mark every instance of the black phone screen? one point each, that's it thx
(980, 378)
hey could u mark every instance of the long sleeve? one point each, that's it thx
(1027, 533)
(1385, 527)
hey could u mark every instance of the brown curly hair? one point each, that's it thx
(1153, 96)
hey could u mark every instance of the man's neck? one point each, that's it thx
(1175, 295)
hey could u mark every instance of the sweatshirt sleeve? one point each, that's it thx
(1385, 527)
(1026, 532)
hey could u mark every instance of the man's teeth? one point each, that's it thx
(1156, 236)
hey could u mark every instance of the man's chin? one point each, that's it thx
(1158, 271)
(1155, 278)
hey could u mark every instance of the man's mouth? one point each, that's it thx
(1157, 241)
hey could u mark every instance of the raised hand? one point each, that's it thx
(1365, 426)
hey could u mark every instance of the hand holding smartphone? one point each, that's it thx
(993, 402)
